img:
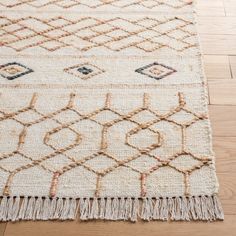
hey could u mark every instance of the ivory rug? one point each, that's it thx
(103, 112)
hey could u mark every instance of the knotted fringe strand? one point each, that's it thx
(206, 208)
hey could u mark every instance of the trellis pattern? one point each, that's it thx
(146, 4)
(85, 33)
(105, 127)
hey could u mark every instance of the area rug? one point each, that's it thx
(103, 112)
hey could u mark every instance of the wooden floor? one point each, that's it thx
(217, 28)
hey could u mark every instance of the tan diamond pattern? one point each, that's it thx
(148, 4)
(86, 33)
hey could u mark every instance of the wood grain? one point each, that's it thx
(228, 192)
(99, 228)
(211, 11)
(222, 92)
(217, 67)
(2, 228)
(224, 148)
(217, 25)
(232, 61)
(223, 120)
(218, 44)
(230, 7)
(210, 3)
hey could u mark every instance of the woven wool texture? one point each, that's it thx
(104, 103)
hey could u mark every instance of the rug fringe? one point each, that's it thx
(206, 208)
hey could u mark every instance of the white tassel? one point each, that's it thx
(30, 209)
(147, 209)
(204, 208)
(183, 209)
(3, 209)
(53, 207)
(218, 208)
(38, 208)
(135, 210)
(164, 209)
(115, 209)
(197, 207)
(46, 209)
(128, 208)
(65, 209)
(94, 209)
(156, 209)
(84, 208)
(172, 208)
(121, 215)
(15, 209)
(102, 208)
(59, 208)
(191, 208)
(108, 209)
(9, 208)
(72, 209)
(178, 208)
(23, 208)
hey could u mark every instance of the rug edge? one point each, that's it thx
(192, 208)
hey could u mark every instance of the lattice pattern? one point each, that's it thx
(148, 4)
(106, 117)
(116, 34)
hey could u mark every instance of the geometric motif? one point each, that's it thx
(149, 4)
(142, 136)
(85, 33)
(122, 147)
(84, 71)
(14, 70)
(156, 70)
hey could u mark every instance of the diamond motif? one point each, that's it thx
(183, 118)
(13, 162)
(156, 70)
(184, 162)
(14, 70)
(144, 117)
(105, 117)
(144, 139)
(100, 163)
(143, 163)
(84, 71)
(56, 163)
(98, 3)
(86, 33)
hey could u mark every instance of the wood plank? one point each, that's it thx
(2, 228)
(224, 148)
(99, 228)
(216, 25)
(228, 192)
(210, 11)
(232, 60)
(222, 92)
(216, 66)
(223, 120)
(210, 3)
(218, 44)
(230, 7)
